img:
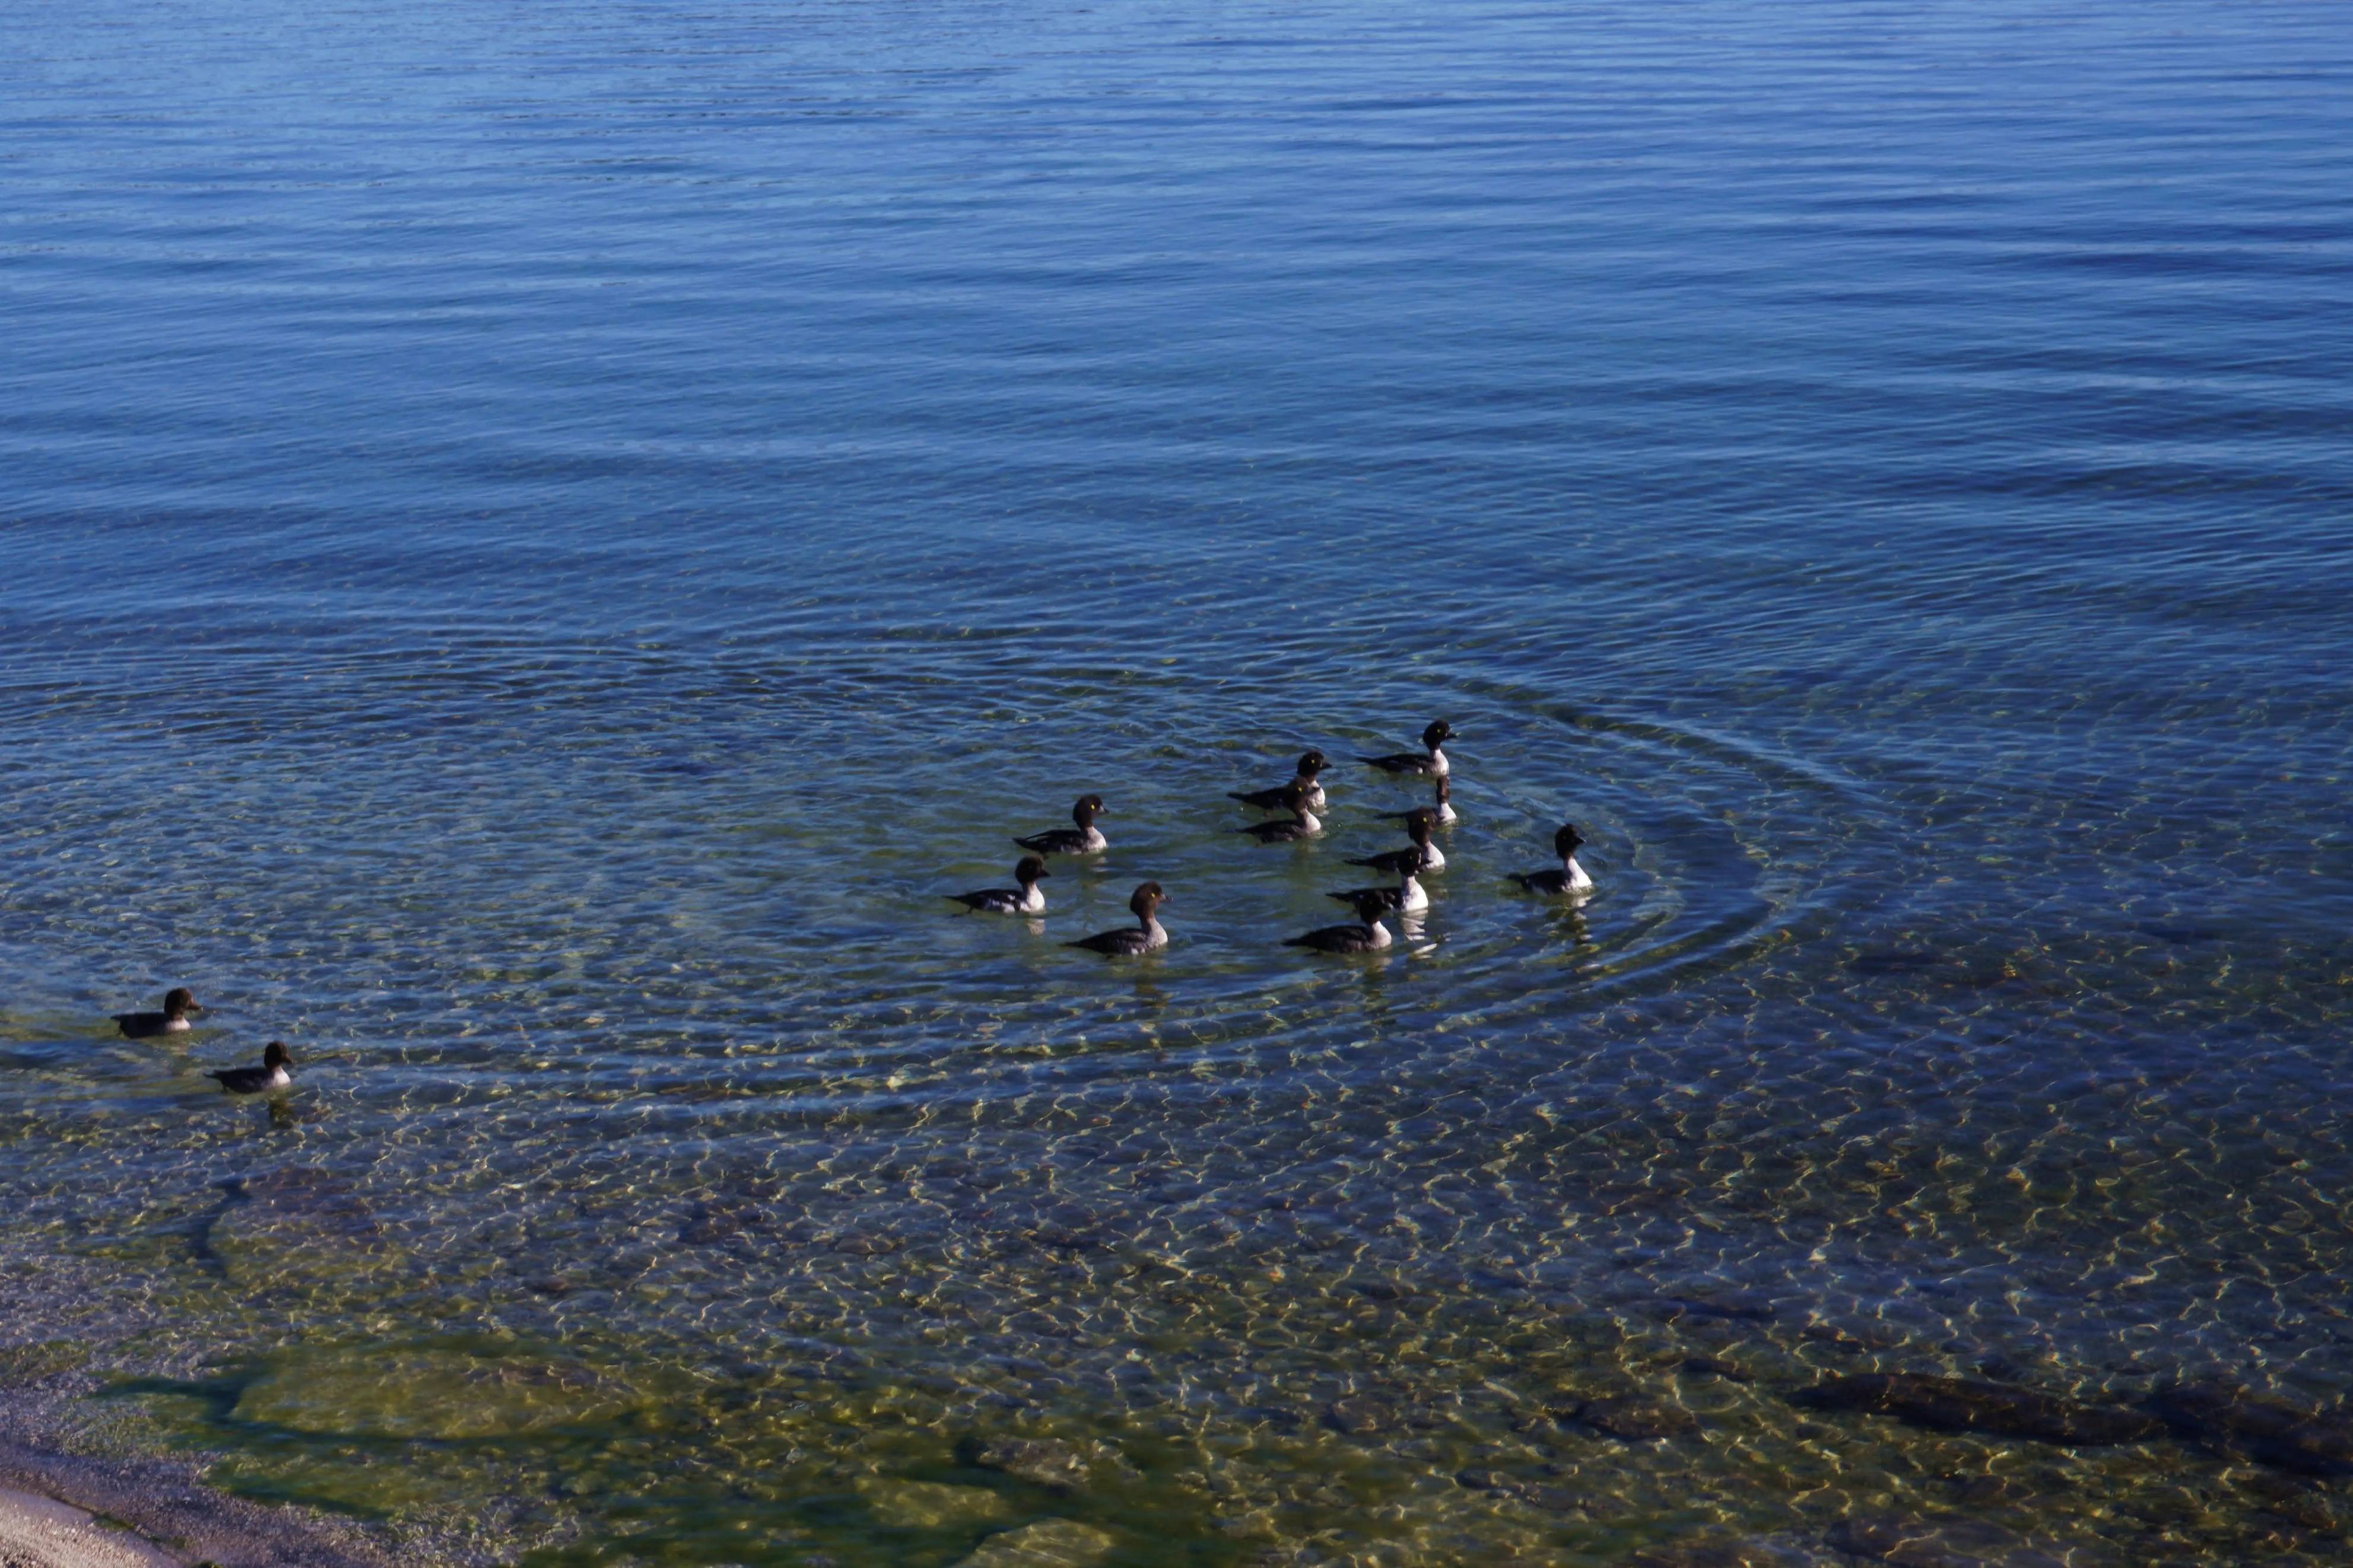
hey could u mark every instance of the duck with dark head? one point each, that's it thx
(178, 1003)
(1311, 764)
(1085, 838)
(1144, 936)
(1303, 823)
(1028, 899)
(1367, 935)
(1422, 855)
(271, 1074)
(1571, 879)
(1430, 760)
(1407, 897)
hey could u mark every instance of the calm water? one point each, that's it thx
(538, 540)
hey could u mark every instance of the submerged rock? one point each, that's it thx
(1944, 1544)
(1635, 1420)
(1049, 1543)
(1535, 1494)
(2309, 1442)
(298, 1229)
(1040, 1461)
(1893, 961)
(1713, 1366)
(1362, 1416)
(1739, 1309)
(929, 1505)
(1960, 1404)
(1714, 1553)
(447, 1395)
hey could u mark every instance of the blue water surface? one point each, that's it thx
(537, 540)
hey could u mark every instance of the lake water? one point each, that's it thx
(537, 540)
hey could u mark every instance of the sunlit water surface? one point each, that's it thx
(540, 540)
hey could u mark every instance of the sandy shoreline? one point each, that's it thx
(65, 1510)
(40, 1532)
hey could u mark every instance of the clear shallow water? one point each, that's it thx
(539, 542)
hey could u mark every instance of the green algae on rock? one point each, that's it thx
(301, 1230)
(928, 1505)
(1049, 1543)
(434, 1393)
(43, 1358)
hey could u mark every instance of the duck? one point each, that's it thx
(1570, 879)
(1086, 838)
(1310, 764)
(1144, 936)
(1303, 823)
(1028, 899)
(1407, 897)
(178, 1003)
(1367, 935)
(1428, 761)
(1441, 803)
(1423, 856)
(271, 1074)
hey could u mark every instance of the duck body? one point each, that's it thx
(1395, 861)
(1429, 762)
(1066, 841)
(1305, 825)
(1145, 936)
(178, 1003)
(1085, 838)
(1148, 937)
(1570, 879)
(1367, 935)
(1279, 797)
(1407, 897)
(1420, 857)
(1271, 799)
(1028, 899)
(271, 1074)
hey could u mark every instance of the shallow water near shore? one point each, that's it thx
(541, 542)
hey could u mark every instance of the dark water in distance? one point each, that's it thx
(538, 540)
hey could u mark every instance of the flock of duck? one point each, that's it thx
(178, 1003)
(1302, 798)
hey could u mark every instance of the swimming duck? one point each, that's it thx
(178, 1003)
(1570, 879)
(1367, 935)
(1028, 899)
(1441, 803)
(1083, 839)
(271, 1074)
(1407, 898)
(1144, 936)
(1310, 764)
(1430, 760)
(1303, 823)
(1423, 857)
